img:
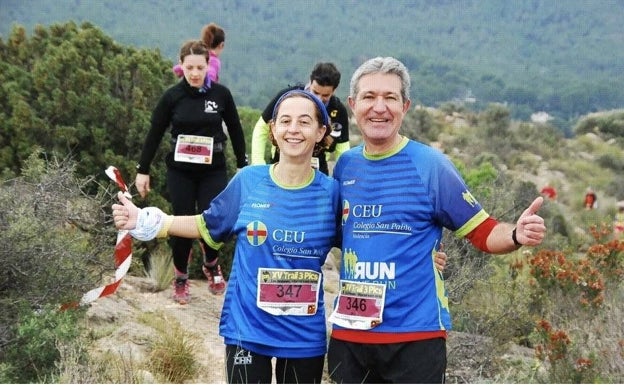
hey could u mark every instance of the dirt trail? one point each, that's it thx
(129, 337)
(115, 318)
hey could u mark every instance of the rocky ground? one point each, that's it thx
(114, 320)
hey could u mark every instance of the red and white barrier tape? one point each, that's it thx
(123, 252)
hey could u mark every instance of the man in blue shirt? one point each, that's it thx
(391, 317)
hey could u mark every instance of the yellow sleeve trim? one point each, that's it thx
(203, 231)
(472, 224)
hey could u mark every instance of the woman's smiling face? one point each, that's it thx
(296, 128)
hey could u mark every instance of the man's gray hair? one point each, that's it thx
(385, 65)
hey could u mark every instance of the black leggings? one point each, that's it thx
(246, 367)
(191, 193)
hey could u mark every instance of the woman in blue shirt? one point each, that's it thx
(285, 218)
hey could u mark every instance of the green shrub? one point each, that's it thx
(32, 355)
(608, 124)
(56, 245)
(612, 161)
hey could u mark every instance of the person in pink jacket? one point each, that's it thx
(214, 37)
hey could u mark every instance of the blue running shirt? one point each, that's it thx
(394, 207)
(279, 229)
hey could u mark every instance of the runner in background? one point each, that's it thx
(196, 168)
(214, 37)
(591, 200)
(324, 79)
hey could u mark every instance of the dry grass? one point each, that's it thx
(161, 268)
(171, 358)
(172, 354)
(76, 366)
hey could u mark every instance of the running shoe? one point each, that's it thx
(181, 291)
(216, 282)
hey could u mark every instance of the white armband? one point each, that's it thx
(152, 222)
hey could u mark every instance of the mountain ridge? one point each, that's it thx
(539, 55)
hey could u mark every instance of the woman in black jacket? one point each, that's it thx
(196, 169)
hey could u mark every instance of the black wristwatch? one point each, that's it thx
(514, 239)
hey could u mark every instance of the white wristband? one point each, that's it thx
(150, 221)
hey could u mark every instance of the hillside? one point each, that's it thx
(72, 92)
(560, 57)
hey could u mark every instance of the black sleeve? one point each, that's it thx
(235, 129)
(160, 121)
